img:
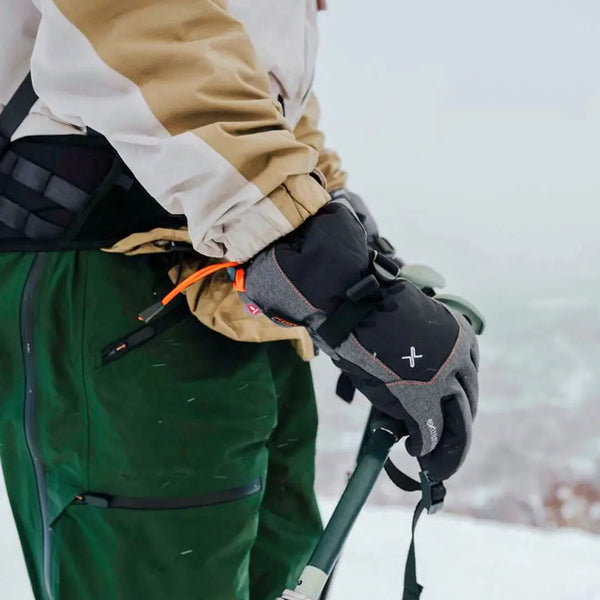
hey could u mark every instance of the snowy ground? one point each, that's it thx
(13, 578)
(458, 559)
(463, 559)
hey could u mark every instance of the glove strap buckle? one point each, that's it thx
(386, 270)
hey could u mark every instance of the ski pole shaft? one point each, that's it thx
(325, 555)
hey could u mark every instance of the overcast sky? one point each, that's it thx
(470, 126)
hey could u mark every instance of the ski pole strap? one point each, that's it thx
(400, 479)
(433, 493)
(412, 588)
(344, 388)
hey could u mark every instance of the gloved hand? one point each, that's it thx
(422, 276)
(374, 240)
(412, 357)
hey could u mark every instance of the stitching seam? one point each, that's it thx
(290, 284)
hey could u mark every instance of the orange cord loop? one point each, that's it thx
(152, 311)
(194, 277)
(239, 283)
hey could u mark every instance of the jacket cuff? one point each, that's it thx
(285, 209)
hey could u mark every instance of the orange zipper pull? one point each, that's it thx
(152, 311)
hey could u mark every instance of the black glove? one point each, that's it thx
(412, 357)
(376, 242)
(422, 276)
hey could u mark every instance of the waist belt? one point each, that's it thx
(67, 191)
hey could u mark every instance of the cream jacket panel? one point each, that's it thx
(19, 21)
(287, 53)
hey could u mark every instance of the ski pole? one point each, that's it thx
(315, 575)
(373, 415)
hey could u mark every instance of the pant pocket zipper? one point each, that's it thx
(98, 500)
(145, 333)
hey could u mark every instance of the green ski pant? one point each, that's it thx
(171, 464)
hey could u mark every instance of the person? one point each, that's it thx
(175, 457)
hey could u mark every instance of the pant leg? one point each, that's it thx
(189, 414)
(290, 523)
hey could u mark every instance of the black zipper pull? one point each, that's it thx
(119, 348)
(113, 352)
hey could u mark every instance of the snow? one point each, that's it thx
(458, 558)
(14, 584)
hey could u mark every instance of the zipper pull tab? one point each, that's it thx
(93, 500)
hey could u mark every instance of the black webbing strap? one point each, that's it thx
(360, 301)
(342, 322)
(42, 181)
(433, 493)
(412, 588)
(46, 205)
(16, 110)
(400, 479)
(344, 388)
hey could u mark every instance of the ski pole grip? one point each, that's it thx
(466, 309)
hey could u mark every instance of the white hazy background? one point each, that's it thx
(473, 130)
(472, 127)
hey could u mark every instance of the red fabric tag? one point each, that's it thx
(322, 4)
(253, 310)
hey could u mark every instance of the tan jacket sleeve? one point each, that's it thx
(307, 132)
(178, 90)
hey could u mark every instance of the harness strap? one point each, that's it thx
(67, 192)
(16, 110)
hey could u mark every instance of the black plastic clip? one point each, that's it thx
(365, 288)
(433, 491)
(386, 269)
(384, 246)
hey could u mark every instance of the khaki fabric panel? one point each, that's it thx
(217, 305)
(149, 242)
(307, 131)
(197, 71)
(300, 197)
(213, 301)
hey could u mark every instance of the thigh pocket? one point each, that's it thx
(155, 548)
(171, 503)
